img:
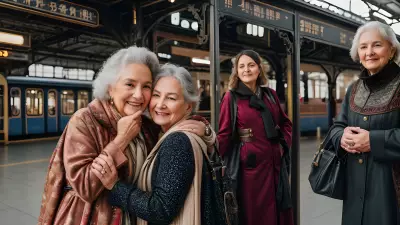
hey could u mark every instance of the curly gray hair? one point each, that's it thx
(385, 30)
(186, 81)
(108, 74)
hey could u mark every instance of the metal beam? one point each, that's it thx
(214, 63)
(295, 169)
(332, 63)
(58, 38)
(168, 12)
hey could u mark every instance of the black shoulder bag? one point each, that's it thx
(223, 198)
(232, 157)
(327, 171)
(223, 191)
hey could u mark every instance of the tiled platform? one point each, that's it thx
(23, 168)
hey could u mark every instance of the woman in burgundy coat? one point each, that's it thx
(260, 156)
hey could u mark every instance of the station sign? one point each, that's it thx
(62, 10)
(258, 12)
(325, 32)
(11, 55)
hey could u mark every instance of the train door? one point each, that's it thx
(67, 107)
(3, 110)
(83, 99)
(34, 99)
(16, 116)
(52, 112)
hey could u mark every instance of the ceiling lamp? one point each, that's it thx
(201, 61)
(9, 38)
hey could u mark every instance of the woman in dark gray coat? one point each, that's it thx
(367, 132)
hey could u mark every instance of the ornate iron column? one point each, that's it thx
(305, 81)
(295, 170)
(332, 73)
(293, 103)
(214, 63)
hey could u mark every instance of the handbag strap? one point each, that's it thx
(233, 112)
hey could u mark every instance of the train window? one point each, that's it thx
(34, 102)
(68, 102)
(83, 99)
(52, 103)
(15, 100)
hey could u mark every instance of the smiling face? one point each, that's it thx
(374, 51)
(248, 70)
(167, 105)
(132, 90)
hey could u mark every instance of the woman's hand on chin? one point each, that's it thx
(128, 128)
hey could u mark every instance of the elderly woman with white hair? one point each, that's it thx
(174, 185)
(367, 130)
(112, 125)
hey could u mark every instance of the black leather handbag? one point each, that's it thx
(223, 194)
(327, 171)
(232, 157)
(223, 197)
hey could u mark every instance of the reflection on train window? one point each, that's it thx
(15, 100)
(52, 102)
(34, 102)
(67, 102)
(83, 99)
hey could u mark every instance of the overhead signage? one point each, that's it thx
(259, 12)
(325, 32)
(10, 55)
(61, 10)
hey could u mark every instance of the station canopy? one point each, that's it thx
(387, 11)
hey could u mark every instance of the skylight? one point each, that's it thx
(360, 9)
(38, 70)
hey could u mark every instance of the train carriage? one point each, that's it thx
(42, 107)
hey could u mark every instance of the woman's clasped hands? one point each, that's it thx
(104, 168)
(355, 140)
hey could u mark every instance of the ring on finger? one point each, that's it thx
(103, 171)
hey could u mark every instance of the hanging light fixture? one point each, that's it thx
(10, 38)
(172, 1)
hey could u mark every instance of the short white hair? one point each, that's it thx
(186, 81)
(385, 31)
(109, 73)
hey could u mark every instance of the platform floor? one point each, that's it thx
(23, 168)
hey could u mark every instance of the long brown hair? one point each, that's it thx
(234, 78)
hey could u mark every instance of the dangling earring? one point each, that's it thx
(111, 100)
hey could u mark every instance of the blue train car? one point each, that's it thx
(34, 107)
(312, 115)
(41, 107)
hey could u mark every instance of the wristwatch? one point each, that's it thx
(207, 132)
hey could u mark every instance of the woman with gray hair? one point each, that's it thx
(366, 132)
(174, 185)
(112, 125)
